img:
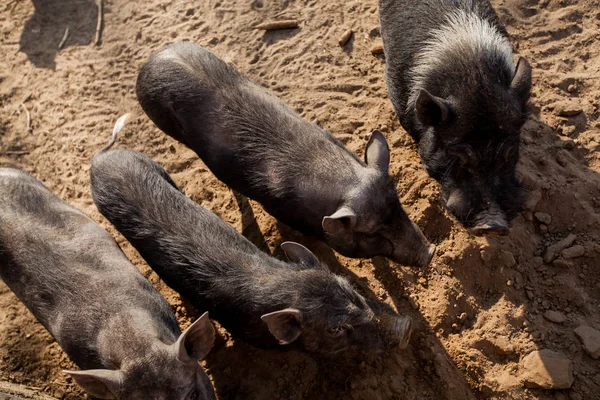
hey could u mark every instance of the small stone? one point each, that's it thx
(530, 295)
(172, 148)
(560, 263)
(374, 32)
(590, 338)
(561, 158)
(543, 228)
(597, 248)
(486, 255)
(506, 259)
(553, 250)
(533, 200)
(547, 369)
(543, 217)
(569, 144)
(555, 316)
(567, 109)
(574, 251)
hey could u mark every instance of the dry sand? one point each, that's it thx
(478, 309)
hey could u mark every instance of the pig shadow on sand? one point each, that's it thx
(45, 29)
(489, 271)
(250, 228)
(242, 371)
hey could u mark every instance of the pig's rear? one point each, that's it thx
(180, 80)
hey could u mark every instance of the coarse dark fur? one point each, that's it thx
(76, 281)
(462, 99)
(258, 146)
(207, 261)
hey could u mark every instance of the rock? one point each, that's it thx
(590, 338)
(555, 316)
(573, 252)
(486, 255)
(506, 259)
(553, 250)
(374, 32)
(547, 369)
(562, 158)
(543, 217)
(567, 109)
(533, 199)
(560, 263)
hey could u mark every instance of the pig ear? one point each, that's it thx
(285, 324)
(521, 82)
(377, 152)
(297, 253)
(196, 341)
(100, 383)
(340, 222)
(431, 110)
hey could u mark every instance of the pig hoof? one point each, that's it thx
(404, 329)
(430, 253)
(492, 229)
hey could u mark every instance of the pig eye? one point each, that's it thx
(336, 331)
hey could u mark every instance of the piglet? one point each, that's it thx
(258, 298)
(458, 93)
(300, 173)
(77, 282)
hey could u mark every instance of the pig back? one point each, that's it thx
(248, 137)
(66, 269)
(187, 245)
(406, 29)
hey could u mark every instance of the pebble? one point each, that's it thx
(555, 316)
(560, 263)
(561, 158)
(543, 228)
(543, 217)
(590, 338)
(574, 251)
(547, 369)
(553, 250)
(533, 200)
(172, 148)
(567, 109)
(506, 259)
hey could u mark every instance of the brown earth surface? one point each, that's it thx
(478, 308)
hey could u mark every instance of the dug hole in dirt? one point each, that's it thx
(495, 318)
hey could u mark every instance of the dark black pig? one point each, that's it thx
(258, 146)
(258, 298)
(456, 90)
(77, 282)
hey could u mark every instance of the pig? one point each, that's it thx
(266, 302)
(300, 173)
(74, 278)
(456, 90)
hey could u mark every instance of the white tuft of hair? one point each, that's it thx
(465, 31)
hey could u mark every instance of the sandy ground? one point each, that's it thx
(478, 309)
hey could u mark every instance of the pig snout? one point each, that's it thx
(491, 222)
(496, 227)
(414, 249)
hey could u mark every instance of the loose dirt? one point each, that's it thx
(479, 308)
